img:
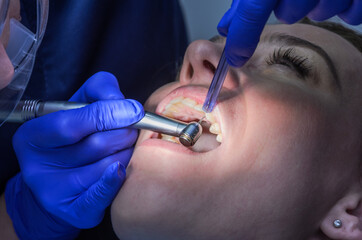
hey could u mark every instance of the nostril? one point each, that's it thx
(210, 66)
(190, 71)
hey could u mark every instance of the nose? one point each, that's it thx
(200, 62)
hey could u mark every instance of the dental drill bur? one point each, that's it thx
(188, 133)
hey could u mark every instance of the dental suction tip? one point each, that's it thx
(190, 134)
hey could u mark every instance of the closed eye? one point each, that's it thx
(290, 59)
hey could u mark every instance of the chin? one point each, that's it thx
(164, 175)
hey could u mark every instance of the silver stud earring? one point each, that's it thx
(337, 223)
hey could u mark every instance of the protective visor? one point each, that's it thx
(21, 46)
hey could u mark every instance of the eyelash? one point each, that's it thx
(289, 58)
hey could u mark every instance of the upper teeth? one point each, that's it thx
(174, 107)
(210, 117)
(215, 128)
(189, 102)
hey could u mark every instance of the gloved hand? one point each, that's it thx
(74, 161)
(245, 20)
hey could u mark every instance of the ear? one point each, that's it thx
(349, 211)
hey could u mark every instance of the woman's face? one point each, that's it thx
(6, 67)
(288, 127)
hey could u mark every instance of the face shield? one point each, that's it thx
(20, 45)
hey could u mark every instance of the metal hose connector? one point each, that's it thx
(29, 109)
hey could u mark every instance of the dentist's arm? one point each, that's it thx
(245, 20)
(72, 162)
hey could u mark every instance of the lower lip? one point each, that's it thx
(155, 142)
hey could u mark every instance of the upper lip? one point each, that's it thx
(196, 93)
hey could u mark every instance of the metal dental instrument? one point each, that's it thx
(216, 84)
(188, 133)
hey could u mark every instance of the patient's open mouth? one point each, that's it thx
(187, 110)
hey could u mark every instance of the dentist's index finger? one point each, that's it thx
(70, 126)
(245, 29)
(100, 86)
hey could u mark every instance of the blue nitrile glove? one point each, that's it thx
(245, 20)
(74, 161)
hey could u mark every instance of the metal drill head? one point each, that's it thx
(190, 134)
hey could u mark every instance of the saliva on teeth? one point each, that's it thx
(182, 108)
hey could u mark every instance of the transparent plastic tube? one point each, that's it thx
(216, 84)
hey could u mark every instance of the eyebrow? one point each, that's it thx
(288, 40)
(217, 38)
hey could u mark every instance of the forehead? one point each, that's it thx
(325, 39)
(346, 58)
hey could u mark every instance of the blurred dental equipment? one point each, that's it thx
(188, 133)
(216, 84)
(21, 50)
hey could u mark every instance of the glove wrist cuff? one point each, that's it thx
(29, 219)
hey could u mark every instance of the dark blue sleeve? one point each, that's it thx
(141, 42)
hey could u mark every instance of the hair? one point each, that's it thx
(350, 35)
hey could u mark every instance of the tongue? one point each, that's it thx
(206, 142)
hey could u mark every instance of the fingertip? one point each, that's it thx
(235, 61)
(121, 171)
(109, 77)
(115, 166)
(103, 86)
(114, 95)
(224, 24)
(113, 177)
(124, 157)
(223, 31)
(137, 108)
(222, 34)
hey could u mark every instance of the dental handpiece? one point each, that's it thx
(188, 133)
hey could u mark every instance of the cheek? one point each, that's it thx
(277, 120)
(288, 140)
(6, 68)
(283, 126)
(288, 111)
